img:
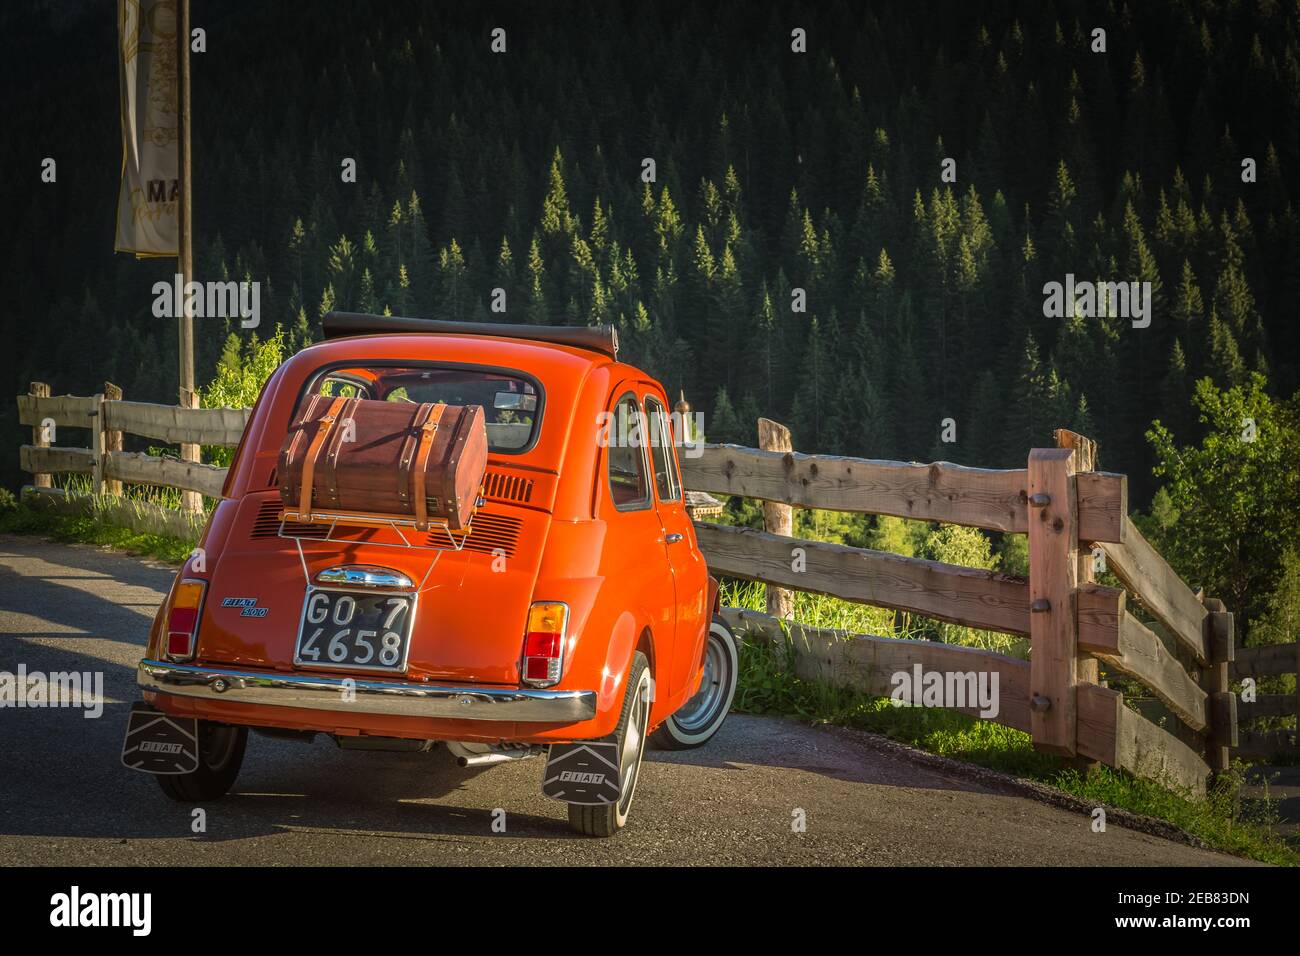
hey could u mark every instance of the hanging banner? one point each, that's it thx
(147, 197)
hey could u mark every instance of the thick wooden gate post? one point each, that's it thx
(1053, 582)
(1085, 459)
(112, 440)
(39, 438)
(1221, 641)
(777, 518)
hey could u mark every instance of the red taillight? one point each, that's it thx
(544, 643)
(183, 619)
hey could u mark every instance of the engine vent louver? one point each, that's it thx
(490, 531)
(503, 487)
(267, 523)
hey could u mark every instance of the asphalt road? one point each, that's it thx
(65, 798)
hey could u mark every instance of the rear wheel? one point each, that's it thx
(607, 819)
(221, 754)
(697, 720)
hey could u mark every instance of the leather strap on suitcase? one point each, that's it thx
(313, 451)
(409, 448)
(328, 467)
(428, 428)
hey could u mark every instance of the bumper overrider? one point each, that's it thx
(358, 695)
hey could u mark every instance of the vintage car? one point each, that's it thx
(572, 619)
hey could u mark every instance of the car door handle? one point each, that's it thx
(673, 538)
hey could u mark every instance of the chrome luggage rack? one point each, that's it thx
(332, 520)
(362, 519)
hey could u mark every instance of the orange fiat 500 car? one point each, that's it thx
(573, 621)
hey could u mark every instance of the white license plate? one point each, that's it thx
(355, 630)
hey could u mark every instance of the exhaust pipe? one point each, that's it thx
(479, 760)
(480, 755)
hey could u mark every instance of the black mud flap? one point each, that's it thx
(159, 743)
(584, 772)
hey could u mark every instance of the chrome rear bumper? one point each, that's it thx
(360, 696)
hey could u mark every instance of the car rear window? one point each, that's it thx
(511, 403)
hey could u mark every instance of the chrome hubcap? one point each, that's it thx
(702, 709)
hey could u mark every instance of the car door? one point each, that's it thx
(637, 553)
(690, 574)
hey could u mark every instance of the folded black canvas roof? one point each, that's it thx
(601, 338)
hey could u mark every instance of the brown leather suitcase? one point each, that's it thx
(356, 455)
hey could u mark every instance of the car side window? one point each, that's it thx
(667, 484)
(629, 486)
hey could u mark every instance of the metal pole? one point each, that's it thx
(191, 501)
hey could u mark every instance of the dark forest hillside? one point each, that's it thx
(775, 170)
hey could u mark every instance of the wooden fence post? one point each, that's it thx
(1053, 585)
(39, 438)
(1220, 639)
(777, 518)
(111, 440)
(97, 443)
(1085, 459)
(191, 501)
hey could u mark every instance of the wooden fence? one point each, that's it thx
(1268, 661)
(1182, 648)
(107, 417)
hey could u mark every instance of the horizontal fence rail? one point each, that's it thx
(1171, 641)
(968, 596)
(1151, 578)
(866, 663)
(66, 411)
(1112, 634)
(43, 460)
(176, 425)
(979, 497)
(141, 469)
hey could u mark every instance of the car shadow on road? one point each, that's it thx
(65, 780)
(783, 743)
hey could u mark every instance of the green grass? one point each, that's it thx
(768, 685)
(17, 518)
